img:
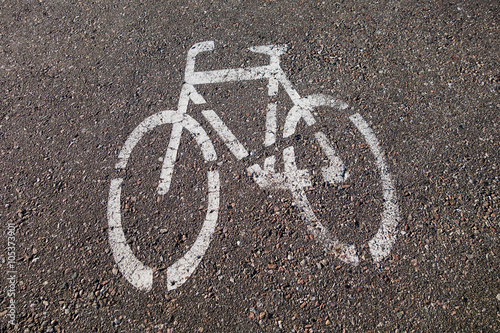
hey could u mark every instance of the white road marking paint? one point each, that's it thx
(167, 169)
(226, 135)
(135, 272)
(132, 269)
(291, 179)
(335, 172)
(179, 122)
(273, 71)
(294, 178)
(188, 93)
(193, 51)
(229, 75)
(192, 95)
(271, 125)
(296, 185)
(295, 181)
(182, 269)
(297, 112)
(303, 108)
(267, 178)
(164, 117)
(201, 138)
(272, 87)
(381, 244)
(274, 52)
(344, 252)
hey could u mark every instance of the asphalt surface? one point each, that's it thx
(76, 78)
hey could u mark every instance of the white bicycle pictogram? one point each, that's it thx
(291, 179)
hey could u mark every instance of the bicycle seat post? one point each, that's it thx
(274, 52)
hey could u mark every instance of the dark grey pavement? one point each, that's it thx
(76, 78)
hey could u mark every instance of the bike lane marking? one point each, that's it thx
(336, 171)
(271, 125)
(381, 244)
(138, 274)
(303, 109)
(182, 269)
(226, 135)
(291, 179)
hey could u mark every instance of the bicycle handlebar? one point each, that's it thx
(236, 74)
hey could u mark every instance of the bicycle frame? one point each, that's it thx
(274, 73)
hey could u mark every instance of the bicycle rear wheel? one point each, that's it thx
(335, 172)
(135, 271)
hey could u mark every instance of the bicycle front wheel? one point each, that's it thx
(134, 270)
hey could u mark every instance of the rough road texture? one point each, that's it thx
(77, 78)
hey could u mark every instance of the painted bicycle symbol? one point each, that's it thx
(292, 179)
